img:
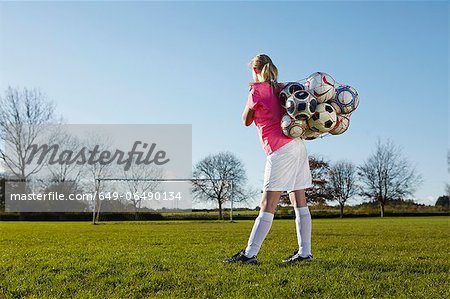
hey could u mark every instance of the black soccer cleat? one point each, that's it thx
(241, 258)
(296, 257)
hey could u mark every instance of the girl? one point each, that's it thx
(287, 166)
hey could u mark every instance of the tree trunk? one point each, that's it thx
(382, 208)
(342, 211)
(94, 213)
(220, 210)
(97, 217)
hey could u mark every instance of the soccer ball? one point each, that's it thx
(321, 85)
(346, 99)
(301, 105)
(288, 90)
(324, 119)
(310, 134)
(341, 126)
(291, 127)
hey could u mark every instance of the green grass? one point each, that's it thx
(370, 257)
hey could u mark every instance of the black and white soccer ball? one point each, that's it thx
(342, 124)
(324, 118)
(288, 90)
(301, 105)
(291, 127)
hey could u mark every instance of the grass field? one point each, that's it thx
(365, 257)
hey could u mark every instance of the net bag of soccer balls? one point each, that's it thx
(317, 105)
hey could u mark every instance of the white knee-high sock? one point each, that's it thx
(259, 232)
(303, 226)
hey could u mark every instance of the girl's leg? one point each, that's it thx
(302, 221)
(263, 222)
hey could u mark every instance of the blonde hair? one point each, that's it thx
(268, 70)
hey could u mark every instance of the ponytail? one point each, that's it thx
(269, 71)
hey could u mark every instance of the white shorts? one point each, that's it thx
(287, 169)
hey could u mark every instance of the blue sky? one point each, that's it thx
(154, 62)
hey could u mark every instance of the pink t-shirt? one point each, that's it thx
(267, 116)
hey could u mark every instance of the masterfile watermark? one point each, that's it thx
(54, 155)
(71, 168)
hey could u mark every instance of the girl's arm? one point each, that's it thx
(247, 116)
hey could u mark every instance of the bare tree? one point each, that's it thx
(63, 178)
(387, 175)
(219, 178)
(342, 183)
(23, 116)
(319, 193)
(97, 171)
(139, 187)
(68, 174)
(63, 172)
